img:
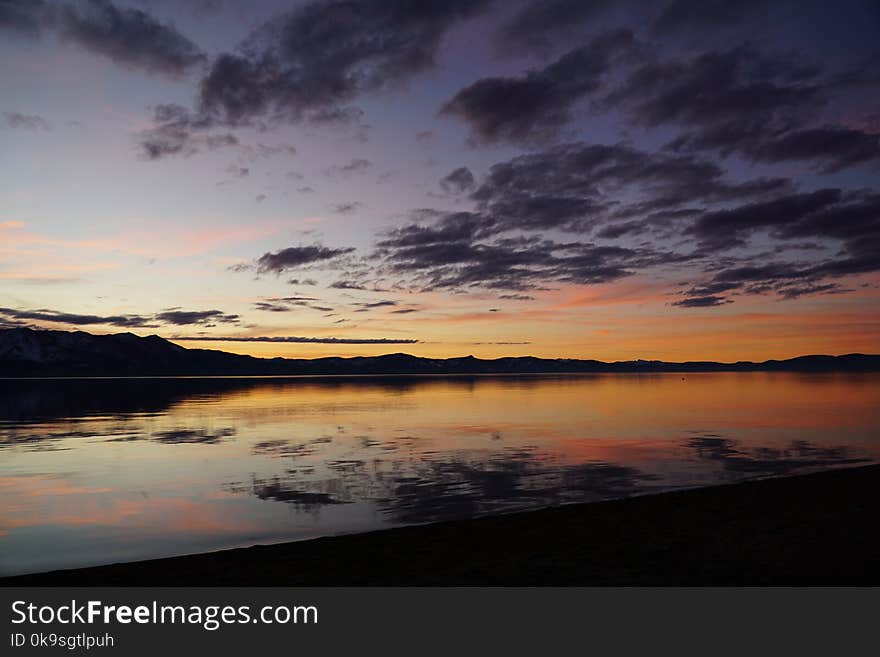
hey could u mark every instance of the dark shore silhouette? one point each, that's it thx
(814, 529)
(27, 352)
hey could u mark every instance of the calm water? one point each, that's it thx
(97, 471)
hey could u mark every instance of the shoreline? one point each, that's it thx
(810, 529)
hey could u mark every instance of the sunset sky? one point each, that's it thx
(669, 179)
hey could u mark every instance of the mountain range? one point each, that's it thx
(26, 352)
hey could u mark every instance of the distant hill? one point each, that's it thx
(27, 352)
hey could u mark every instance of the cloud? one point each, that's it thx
(26, 121)
(46, 315)
(180, 317)
(176, 132)
(535, 106)
(737, 91)
(613, 191)
(175, 316)
(348, 284)
(742, 101)
(701, 15)
(501, 343)
(348, 207)
(577, 186)
(129, 37)
(852, 218)
(297, 256)
(539, 23)
(296, 339)
(701, 302)
(727, 228)
(356, 165)
(372, 305)
(848, 219)
(23, 17)
(458, 182)
(833, 148)
(312, 60)
(507, 263)
(287, 304)
(644, 211)
(265, 151)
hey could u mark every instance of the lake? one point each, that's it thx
(97, 471)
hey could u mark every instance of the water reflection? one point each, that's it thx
(107, 470)
(443, 486)
(765, 460)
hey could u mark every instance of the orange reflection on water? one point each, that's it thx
(96, 471)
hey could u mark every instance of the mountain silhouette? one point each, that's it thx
(26, 352)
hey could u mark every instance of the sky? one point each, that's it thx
(662, 179)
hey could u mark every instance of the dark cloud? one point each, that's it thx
(347, 208)
(297, 256)
(577, 186)
(848, 223)
(832, 147)
(23, 17)
(174, 316)
(176, 132)
(287, 304)
(258, 151)
(517, 297)
(644, 210)
(738, 91)
(432, 227)
(296, 339)
(507, 264)
(725, 229)
(539, 23)
(180, 317)
(851, 218)
(313, 60)
(372, 305)
(26, 121)
(746, 102)
(795, 291)
(129, 37)
(535, 106)
(203, 7)
(356, 165)
(701, 302)
(754, 278)
(700, 15)
(458, 182)
(347, 284)
(46, 315)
